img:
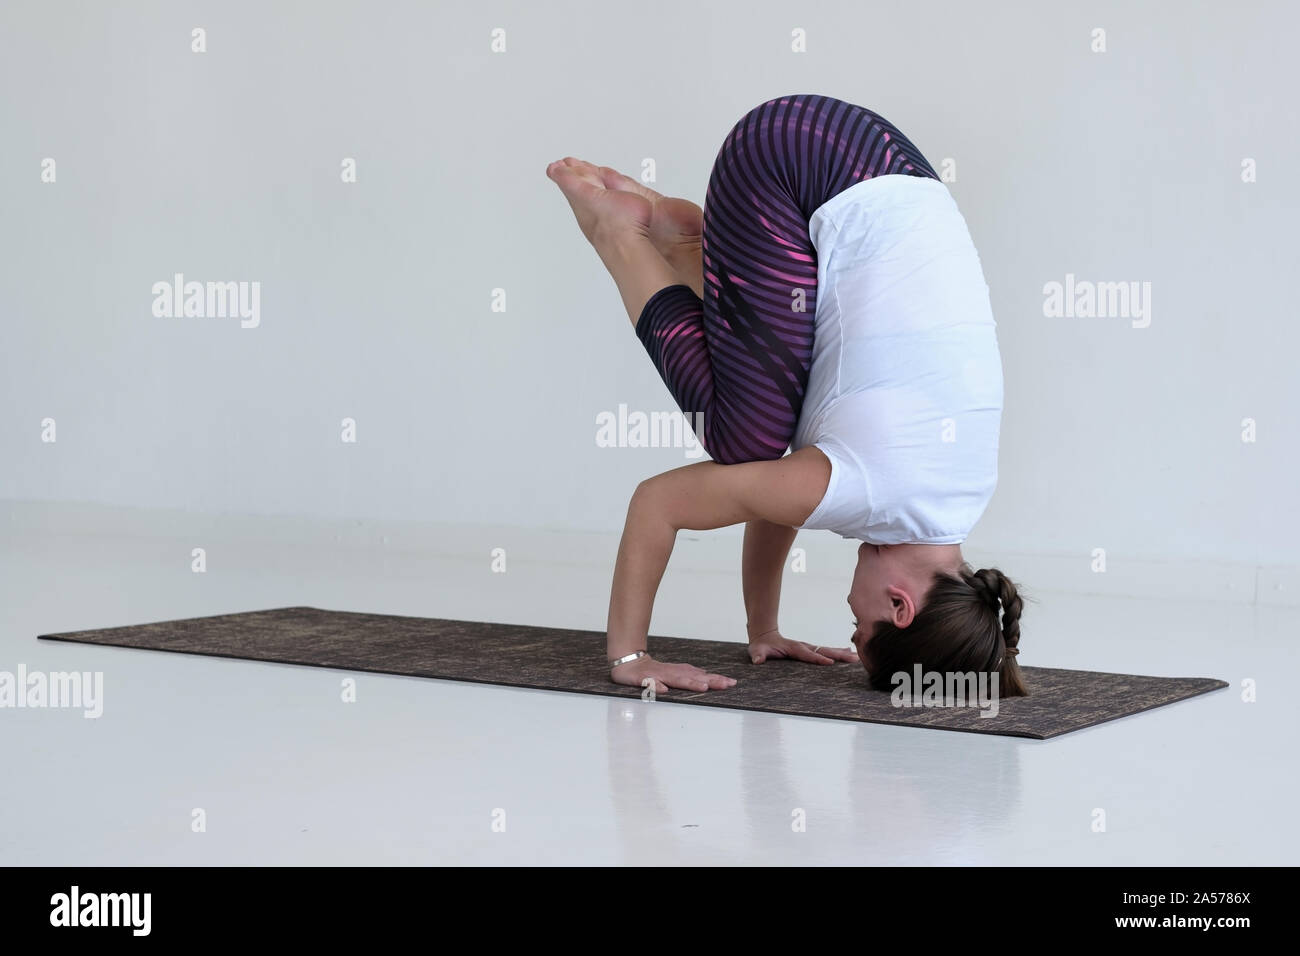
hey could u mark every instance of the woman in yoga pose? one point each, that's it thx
(827, 300)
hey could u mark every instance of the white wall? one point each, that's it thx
(376, 296)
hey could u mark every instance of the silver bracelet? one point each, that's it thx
(628, 658)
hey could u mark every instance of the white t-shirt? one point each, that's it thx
(905, 389)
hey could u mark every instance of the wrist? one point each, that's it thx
(626, 658)
(756, 631)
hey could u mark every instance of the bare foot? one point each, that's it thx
(674, 223)
(676, 227)
(600, 211)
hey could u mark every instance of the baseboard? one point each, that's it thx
(1140, 576)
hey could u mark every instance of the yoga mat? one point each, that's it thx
(546, 658)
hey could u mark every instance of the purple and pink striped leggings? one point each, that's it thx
(741, 356)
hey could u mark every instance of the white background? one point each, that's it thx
(376, 296)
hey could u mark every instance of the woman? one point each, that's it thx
(828, 300)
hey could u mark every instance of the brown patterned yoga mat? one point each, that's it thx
(551, 659)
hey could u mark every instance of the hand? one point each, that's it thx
(680, 676)
(772, 646)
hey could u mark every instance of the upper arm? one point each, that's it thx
(708, 495)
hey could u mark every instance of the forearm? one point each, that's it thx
(762, 563)
(643, 554)
(702, 497)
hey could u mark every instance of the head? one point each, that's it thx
(922, 604)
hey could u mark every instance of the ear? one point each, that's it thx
(902, 609)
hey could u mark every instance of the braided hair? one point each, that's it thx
(997, 591)
(969, 621)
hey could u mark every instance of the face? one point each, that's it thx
(875, 594)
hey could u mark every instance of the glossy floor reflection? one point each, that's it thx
(419, 771)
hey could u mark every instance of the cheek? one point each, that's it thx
(866, 573)
(859, 592)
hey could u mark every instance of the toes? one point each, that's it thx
(581, 170)
(613, 179)
(581, 165)
(573, 182)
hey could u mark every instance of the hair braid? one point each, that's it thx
(970, 620)
(1000, 594)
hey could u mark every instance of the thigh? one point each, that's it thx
(778, 164)
(760, 282)
(819, 146)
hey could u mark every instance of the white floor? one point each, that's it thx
(415, 771)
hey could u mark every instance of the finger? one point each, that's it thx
(769, 652)
(845, 655)
(715, 681)
(808, 654)
(682, 678)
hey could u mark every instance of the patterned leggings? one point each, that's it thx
(741, 356)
